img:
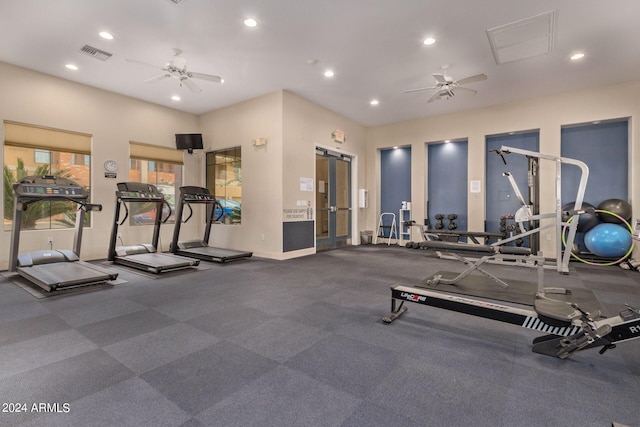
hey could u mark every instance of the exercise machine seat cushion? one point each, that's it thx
(514, 250)
(557, 310)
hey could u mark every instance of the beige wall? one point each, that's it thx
(239, 125)
(271, 173)
(307, 126)
(547, 114)
(293, 127)
(113, 120)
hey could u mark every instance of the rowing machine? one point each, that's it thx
(569, 329)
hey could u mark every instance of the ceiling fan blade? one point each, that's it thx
(157, 78)
(472, 79)
(208, 77)
(144, 63)
(191, 85)
(420, 89)
(440, 78)
(465, 90)
(434, 97)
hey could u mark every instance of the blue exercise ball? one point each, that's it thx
(586, 221)
(617, 206)
(608, 240)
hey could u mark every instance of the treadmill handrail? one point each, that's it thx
(170, 211)
(126, 213)
(184, 221)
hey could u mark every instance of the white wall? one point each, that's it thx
(113, 120)
(548, 114)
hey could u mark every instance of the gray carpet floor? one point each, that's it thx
(301, 343)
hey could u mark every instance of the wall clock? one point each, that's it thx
(110, 165)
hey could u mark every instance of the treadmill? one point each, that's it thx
(143, 256)
(200, 249)
(53, 270)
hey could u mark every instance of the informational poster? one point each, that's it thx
(297, 214)
(306, 184)
(475, 186)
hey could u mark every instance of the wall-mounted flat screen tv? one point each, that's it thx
(189, 141)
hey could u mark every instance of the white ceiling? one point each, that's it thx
(374, 47)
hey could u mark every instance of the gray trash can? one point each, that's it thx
(366, 237)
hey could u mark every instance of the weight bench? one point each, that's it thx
(520, 255)
(487, 253)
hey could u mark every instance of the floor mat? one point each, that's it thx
(39, 292)
(150, 275)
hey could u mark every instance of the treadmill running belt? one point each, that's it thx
(156, 262)
(214, 254)
(65, 274)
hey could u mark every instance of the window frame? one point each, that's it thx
(142, 167)
(53, 215)
(231, 160)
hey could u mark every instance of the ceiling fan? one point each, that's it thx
(177, 68)
(446, 87)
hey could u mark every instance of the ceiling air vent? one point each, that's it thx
(523, 39)
(176, 1)
(95, 53)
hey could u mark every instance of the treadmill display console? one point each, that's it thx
(131, 195)
(40, 190)
(135, 191)
(45, 187)
(137, 195)
(199, 197)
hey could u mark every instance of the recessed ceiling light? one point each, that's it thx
(577, 56)
(250, 22)
(71, 67)
(395, 147)
(175, 98)
(105, 35)
(446, 141)
(429, 41)
(374, 102)
(329, 73)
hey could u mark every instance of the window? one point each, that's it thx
(42, 156)
(224, 180)
(161, 167)
(80, 159)
(33, 150)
